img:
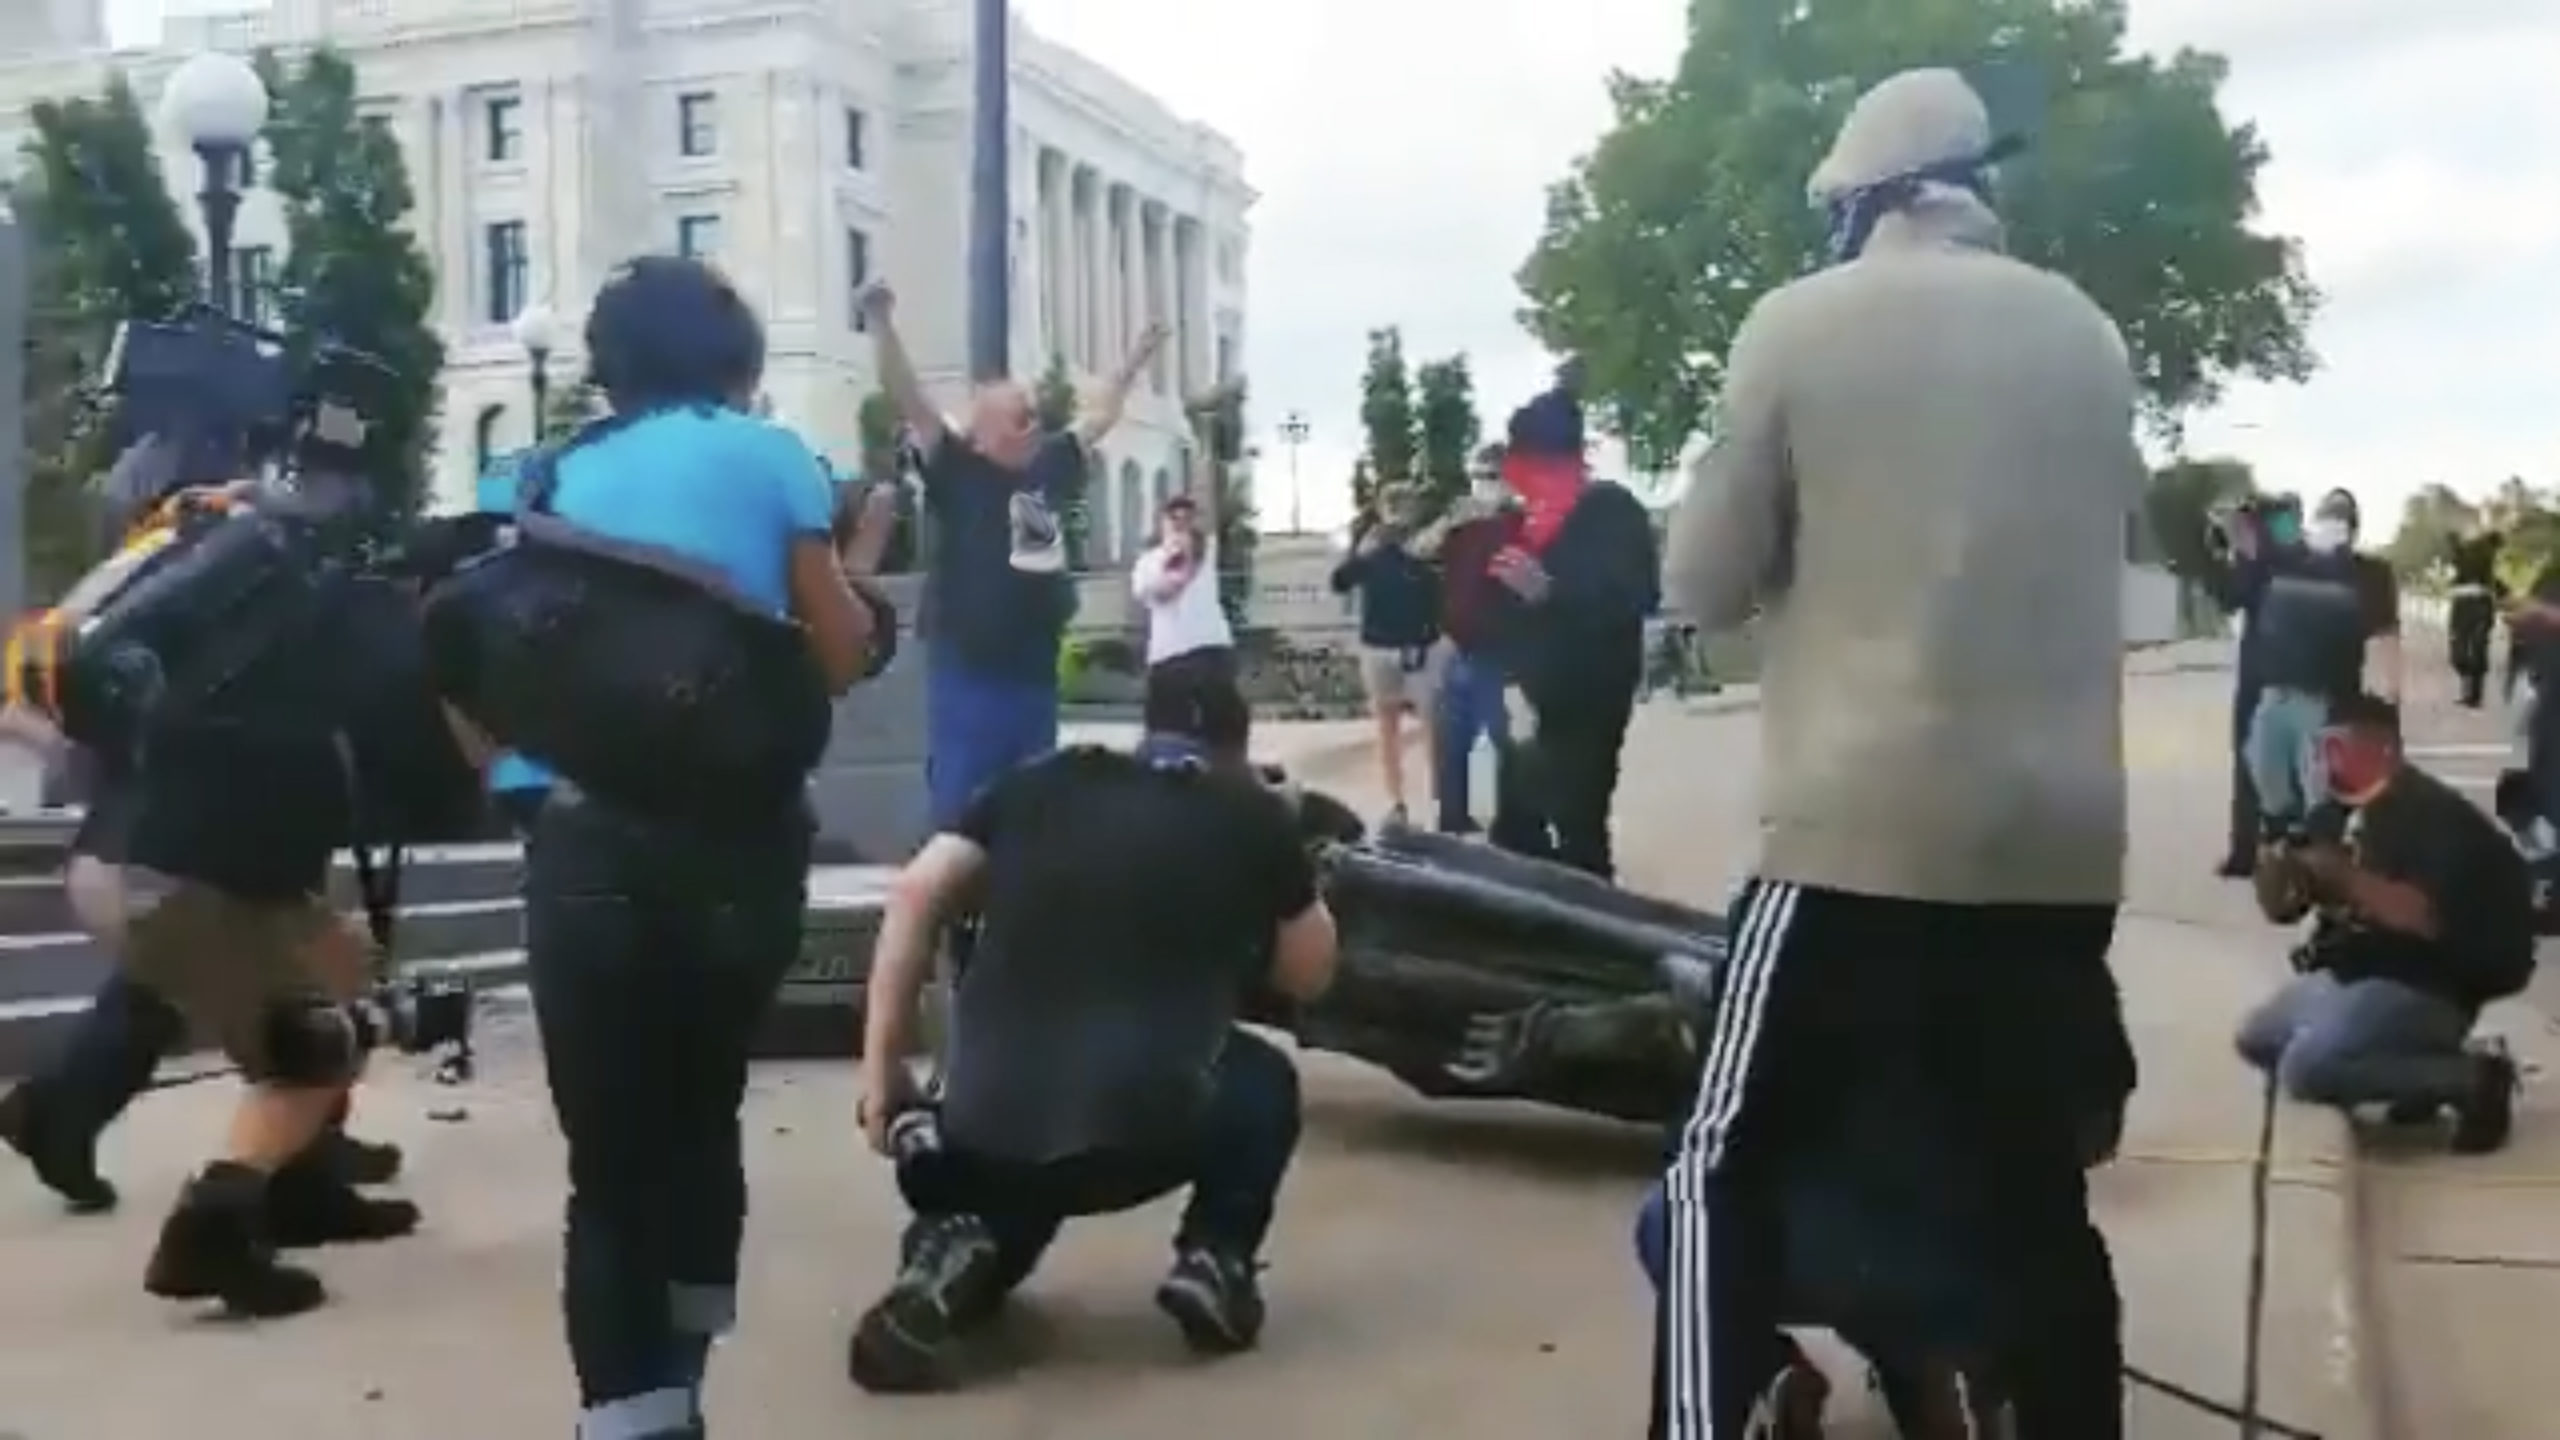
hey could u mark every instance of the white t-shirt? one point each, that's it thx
(1191, 618)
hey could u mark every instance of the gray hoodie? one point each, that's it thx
(1920, 479)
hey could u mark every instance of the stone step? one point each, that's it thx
(34, 903)
(814, 1014)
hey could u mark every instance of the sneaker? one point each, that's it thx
(214, 1247)
(309, 1205)
(65, 1163)
(1216, 1300)
(359, 1162)
(2487, 1116)
(1395, 820)
(905, 1343)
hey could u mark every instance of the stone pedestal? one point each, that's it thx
(870, 790)
(872, 810)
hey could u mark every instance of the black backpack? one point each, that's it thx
(637, 674)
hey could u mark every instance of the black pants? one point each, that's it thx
(2245, 821)
(110, 1059)
(1234, 1169)
(1890, 1136)
(1217, 662)
(2467, 629)
(654, 954)
(1556, 788)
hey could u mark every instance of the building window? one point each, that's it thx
(698, 236)
(857, 273)
(504, 259)
(698, 124)
(857, 138)
(503, 117)
(252, 285)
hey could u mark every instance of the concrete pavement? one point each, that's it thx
(1438, 1268)
(2462, 1255)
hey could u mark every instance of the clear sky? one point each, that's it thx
(1402, 150)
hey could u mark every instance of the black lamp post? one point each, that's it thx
(990, 202)
(219, 104)
(535, 330)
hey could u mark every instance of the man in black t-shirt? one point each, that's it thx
(2426, 916)
(1127, 905)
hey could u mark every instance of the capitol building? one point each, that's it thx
(808, 146)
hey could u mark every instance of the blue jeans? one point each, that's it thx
(978, 726)
(2284, 754)
(1470, 709)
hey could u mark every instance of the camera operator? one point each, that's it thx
(2242, 542)
(1094, 1059)
(2427, 915)
(56, 1116)
(656, 938)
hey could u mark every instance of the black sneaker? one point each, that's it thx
(905, 1343)
(358, 1162)
(67, 1164)
(1216, 1300)
(309, 1205)
(214, 1247)
(2487, 1116)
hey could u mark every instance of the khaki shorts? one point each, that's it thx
(228, 964)
(1404, 679)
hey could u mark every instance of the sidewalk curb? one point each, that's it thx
(2375, 1406)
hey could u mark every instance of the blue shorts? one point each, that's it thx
(977, 727)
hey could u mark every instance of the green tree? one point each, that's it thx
(2531, 522)
(1448, 430)
(2430, 521)
(2178, 509)
(1364, 493)
(567, 408)
(1056, 404)
(1387, 409)
(353, 271)
(106, 243)
(1692, 206)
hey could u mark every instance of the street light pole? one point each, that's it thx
(219, 104)
(990, 197)
(1293, 433)
(534, 331)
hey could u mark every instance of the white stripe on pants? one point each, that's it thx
(1759, 925)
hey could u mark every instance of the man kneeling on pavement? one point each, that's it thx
(1128, 904)
(2424, 915)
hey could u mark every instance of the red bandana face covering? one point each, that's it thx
(1547, 486)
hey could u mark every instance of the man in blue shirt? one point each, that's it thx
(997, 597)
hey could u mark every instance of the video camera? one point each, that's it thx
(236, 399)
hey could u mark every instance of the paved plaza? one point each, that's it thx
(1438, 1269)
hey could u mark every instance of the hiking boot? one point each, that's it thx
(214, 1247)
(1215, 1298)
(358, 1162)
(65, 1159)
(309, 1203)
(2486, 1116)
(950, 1280)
